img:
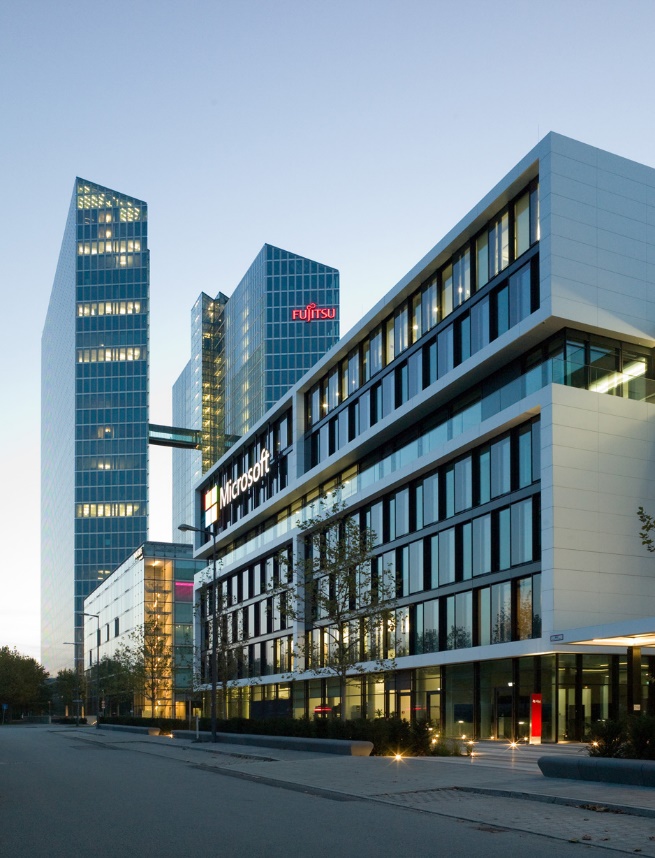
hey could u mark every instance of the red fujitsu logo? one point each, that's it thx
(312, 312)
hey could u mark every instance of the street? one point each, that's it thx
(64, 794)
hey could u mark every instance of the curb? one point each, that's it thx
(605, 806)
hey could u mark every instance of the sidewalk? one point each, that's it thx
(497, 787)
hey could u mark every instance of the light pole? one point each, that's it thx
(97, 618)
(77, 674)
(189, 528)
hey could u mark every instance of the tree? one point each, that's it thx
(22, 681)
(342, 590)
(144, 663)
(118, 683)
(68, 689)
(647, 528)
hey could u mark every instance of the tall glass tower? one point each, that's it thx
(94, 410)
(246, 352)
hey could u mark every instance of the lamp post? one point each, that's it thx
(189, 528)
(97, 618)
(77, 674)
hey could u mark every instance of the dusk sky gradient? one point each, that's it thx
(355, 133)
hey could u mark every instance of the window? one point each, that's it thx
(521, 225)
(482, 545)
(482, 260)
(402, 512)
(480, 325)
(427, 627)
(521, 549)
(415, 374)
(415, 558)
(461, 278)
(463, 484)
(417, 317)
(501, 467)
(431, 499)
(459, 621)
(353, 371)
(464, 338)
(520, 298)
(390, 342)
(401, 331)
(376, 351)
(504, 539)
(502, 310)
(525, 456)
(446, 351)
(499, 245)
(484, 616)
(524, 609)
(447, 291)
(444, 555)
(501, 612)
(429, 306)
(484, 473)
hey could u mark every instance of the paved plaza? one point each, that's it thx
(498, 787)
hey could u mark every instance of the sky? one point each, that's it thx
(354, 132)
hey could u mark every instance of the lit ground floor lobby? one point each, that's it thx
(555, 697)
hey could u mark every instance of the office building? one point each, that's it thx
(144, 606)
(491, 421)
(94, 410)
(246, 351)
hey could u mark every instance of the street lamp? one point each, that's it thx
(77, 674)
(97, 617)
(187, 528)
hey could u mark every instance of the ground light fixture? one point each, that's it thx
(189, 528)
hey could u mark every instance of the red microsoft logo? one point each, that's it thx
(312, 312)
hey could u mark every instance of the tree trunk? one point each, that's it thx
(342, 692)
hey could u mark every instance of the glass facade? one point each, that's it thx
(94, 408)
(150, 592)
(198, 404)
(246, 352)
(458, 429)
(282, 317)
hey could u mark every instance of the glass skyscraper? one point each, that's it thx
(94, 410)
(246, 352)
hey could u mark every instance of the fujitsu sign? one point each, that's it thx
(234, 488)
(311, 312)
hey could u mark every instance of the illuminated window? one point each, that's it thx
(104, 355)
(107, 510)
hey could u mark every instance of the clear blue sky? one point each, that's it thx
(355, 132)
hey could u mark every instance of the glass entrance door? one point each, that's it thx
(503, 721)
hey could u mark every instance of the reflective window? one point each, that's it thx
(482, 545)
(501, 612)
(501, 473)
(521, 532)
(427, 627)
(521, 225)
(499, 245)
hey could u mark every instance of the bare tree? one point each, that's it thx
(147, 659)
(341, 589)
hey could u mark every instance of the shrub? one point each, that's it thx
(641, 737)
(67, 719)
(446, 748)
(608, 739)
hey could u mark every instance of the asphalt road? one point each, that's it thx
(61, 795)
